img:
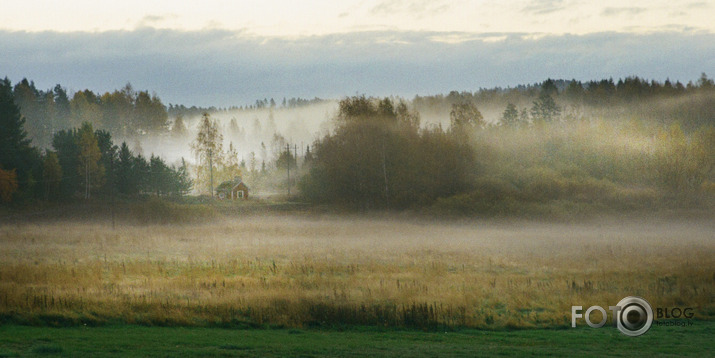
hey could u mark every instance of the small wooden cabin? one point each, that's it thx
(232, 189)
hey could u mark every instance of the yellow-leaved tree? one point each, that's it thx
(8, 184)
(90, 169)
(208, 151)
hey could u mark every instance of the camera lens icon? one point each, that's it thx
(634, 317)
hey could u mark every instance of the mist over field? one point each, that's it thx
(493, 170)
(302, 271)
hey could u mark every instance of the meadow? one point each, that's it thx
(138, 341)
(302, 270)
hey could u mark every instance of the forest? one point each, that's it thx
(548, 148)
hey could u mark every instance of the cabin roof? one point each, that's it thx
(230, 185)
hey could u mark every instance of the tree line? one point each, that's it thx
(594, 92)
(691, 104)
(125, 112)
(84, 163)
(380, 155)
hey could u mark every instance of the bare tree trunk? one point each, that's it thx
(211, 173)
(384, 173)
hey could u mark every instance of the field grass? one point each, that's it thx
(303, 271)
(128, 340)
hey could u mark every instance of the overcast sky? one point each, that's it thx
(233, 52)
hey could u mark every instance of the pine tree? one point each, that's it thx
(184, 182)
(13, 137)
(179, 129)
(510, 115)
(545, 108)
(308, 159)
(126, 178)
(15, 150)
(51, 175)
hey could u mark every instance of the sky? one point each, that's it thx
(226, 53)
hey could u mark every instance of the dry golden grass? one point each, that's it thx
(297, 271)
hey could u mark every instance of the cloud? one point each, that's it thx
(155, 20)
(223, 68)
(418, 8)
(149, 19)
(541, 7)
(697, 5)
(615, 11)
